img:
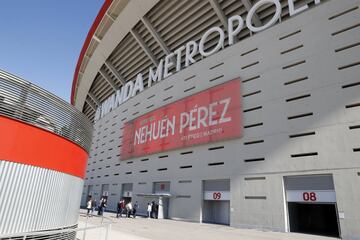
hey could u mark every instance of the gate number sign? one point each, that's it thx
(309, 196)
(217, 195)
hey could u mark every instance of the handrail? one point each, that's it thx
(48, 233)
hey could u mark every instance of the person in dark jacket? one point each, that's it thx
(156, 209)
(103, 205)
(100, 207)
(152, 209)
(123, 208)
(135, 207)
(119, 209)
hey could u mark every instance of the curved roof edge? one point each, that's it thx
(89, 36)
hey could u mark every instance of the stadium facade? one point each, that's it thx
(236, 112)
(44, 146)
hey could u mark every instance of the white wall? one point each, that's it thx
(35, 199)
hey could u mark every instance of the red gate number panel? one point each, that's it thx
(309, 196)
(217, 195)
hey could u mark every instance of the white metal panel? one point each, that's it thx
(34, 198)
(313, 182)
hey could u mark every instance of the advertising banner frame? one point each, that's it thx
(211, 115)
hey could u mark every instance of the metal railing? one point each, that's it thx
(26, 102)
(88, 232)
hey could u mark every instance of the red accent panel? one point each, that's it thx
(209, 116)
(90, 34)
(23, 143)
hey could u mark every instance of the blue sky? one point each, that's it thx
(40, 40)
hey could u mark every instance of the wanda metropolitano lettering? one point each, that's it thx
(173, 60)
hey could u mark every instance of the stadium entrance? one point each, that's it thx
(216, 201)
(311, 203)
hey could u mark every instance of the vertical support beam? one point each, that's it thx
(247, 4)
(96, 38)
(155, 34)
(21, 105)
(97, 102)
(219, 12)
(108, 79)
(92, 105)
(144, 46)
(115, 72)
(109, 16)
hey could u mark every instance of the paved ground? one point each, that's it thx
(156, 229)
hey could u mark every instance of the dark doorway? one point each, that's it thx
(319, 219)
(217, 212)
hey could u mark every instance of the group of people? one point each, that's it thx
(153, 209)
(126, 208)
(130, 209)
(92, 206)
(123, 207)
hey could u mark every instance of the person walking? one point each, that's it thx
(156, 209)
(100, 207)
(129, 208)
(93, 206)
(153, 209)
(135, 208)
(119, 209)
(88, 207)
(103, 206)
(149, 210)
(122, 207)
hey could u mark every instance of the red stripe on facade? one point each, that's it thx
(30, 145)
(89, 36)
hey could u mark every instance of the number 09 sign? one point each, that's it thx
(217, 195)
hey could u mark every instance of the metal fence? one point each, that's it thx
(24, 101)
(86, 232)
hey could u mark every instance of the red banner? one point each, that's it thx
(209, 116)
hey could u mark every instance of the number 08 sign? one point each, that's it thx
(311, 196)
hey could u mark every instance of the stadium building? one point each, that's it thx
(237, 112)
(44, 146)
